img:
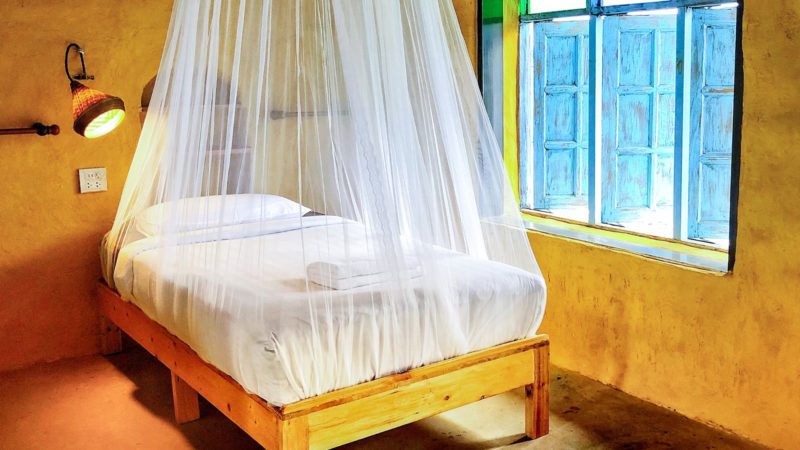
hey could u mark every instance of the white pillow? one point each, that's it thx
(215, 211)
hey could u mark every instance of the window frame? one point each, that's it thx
(595, 11)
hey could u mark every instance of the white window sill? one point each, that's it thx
(667, 251)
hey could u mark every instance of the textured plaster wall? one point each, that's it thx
(722, 349)
(48, 232)
(466, 11)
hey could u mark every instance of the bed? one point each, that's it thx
(264, 374)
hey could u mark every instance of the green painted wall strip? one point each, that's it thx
(523, 7)
(492, 11)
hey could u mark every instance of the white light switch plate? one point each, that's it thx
(93, 180)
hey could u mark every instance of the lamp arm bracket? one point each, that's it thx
(82, 75)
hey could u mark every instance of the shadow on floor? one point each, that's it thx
(125, 401)
(213, 431)
(586, 414)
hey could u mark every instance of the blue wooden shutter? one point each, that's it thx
(638, 118)
(560, 114)
(492, 68)
(711, 137)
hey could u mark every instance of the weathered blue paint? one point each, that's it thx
(553, 15)
(560, 113)
(595, 7)
(526, 101)
(682, 124)
(711, 143)
(659, 141)
(633, 6)
(638, 116)
(492, 75)
(595, 117)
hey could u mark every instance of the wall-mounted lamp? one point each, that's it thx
(95, 113)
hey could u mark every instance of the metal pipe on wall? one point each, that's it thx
(37, 128)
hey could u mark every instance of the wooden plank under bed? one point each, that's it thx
(347, 414)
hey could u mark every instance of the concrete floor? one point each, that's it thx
(124, 402)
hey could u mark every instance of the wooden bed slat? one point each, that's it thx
(293, 434)
(249, 412)
(347, 414)
(388, 382)
(110, 337)
(185, 401)
(537, 396)
(357, 419)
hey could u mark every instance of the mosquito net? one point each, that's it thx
(317, 198)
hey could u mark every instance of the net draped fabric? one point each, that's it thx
(317, 198)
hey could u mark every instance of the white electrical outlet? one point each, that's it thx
(93, 180)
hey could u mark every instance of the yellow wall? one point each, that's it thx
(49, 233)
(722, 349)
(510, 101)
(466, 11)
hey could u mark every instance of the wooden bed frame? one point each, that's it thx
(345, 415)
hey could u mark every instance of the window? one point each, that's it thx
(556, 5)
(624, 2)
(491, 74)
(627, 115)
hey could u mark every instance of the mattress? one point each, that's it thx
(259, 328)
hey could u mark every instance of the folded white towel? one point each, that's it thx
(354, 273)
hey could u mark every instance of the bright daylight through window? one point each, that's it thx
(637, 134)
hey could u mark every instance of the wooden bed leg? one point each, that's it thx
(185, 401)
(537, 395)
(293, 434)
(110, 337)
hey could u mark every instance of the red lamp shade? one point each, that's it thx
(95, 113)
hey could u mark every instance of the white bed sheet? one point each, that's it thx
(258, 330)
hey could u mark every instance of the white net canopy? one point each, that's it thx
(318, 199)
